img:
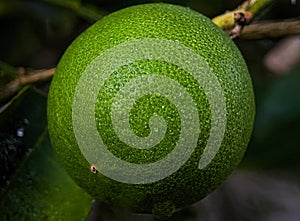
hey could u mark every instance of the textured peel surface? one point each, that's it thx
(158, 86)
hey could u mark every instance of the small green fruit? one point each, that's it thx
(151, 108)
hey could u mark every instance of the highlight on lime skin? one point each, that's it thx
(151, 108)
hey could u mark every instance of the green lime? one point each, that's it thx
(151, 108)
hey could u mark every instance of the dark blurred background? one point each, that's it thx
(33, 186)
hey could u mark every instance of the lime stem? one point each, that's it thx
(234, 21)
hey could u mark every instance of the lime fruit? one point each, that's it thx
(151, 108)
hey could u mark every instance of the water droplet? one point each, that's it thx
(149, 79)
(20, 132)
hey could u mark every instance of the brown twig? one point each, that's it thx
(240, 19)
(271, 29)
(24, 79)
(234, 21)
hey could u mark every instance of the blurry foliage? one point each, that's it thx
(32, 181)
(275, 140)
(35, 33)
(22, 120)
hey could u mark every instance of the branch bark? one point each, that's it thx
(271, 29)
(24, 79)
(234, 21)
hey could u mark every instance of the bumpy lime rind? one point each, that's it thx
(159, 21)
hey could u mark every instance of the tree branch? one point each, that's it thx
(258, 6)
(271, 29)
(33, 77)
(234, 21)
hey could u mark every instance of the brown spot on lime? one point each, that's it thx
(93, 169)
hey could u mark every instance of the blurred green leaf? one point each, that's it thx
(275, 141)
(86, 11)
(42, 190)
(33, 185)
(7, 70)
(22, 120)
